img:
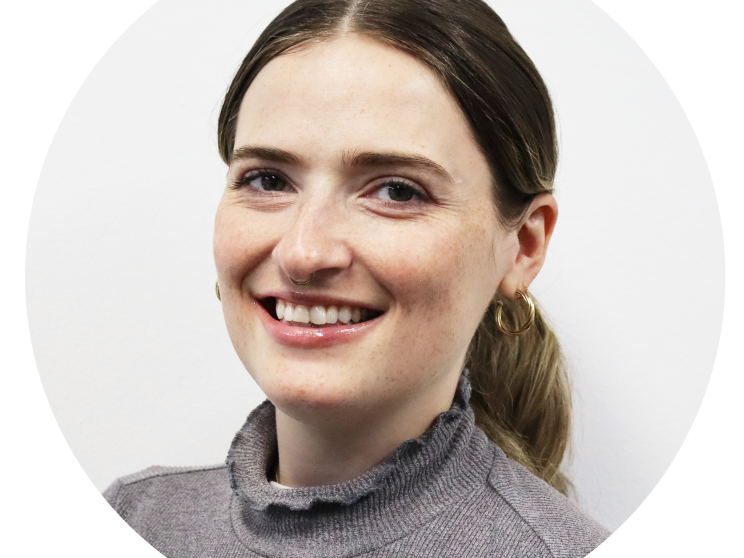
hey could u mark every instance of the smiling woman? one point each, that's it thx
(388, 203)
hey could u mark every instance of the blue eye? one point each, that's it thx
(398, 192)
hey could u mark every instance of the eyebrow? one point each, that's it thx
(349, 159)
(371, 159)
(271, 154)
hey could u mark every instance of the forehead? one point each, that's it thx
(352, 92)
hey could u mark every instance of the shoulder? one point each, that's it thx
(156, 490)
(564, 529)
(181, 511)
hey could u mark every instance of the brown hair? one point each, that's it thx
(521, 396)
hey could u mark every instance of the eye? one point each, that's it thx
(266, 181)
(398, 192)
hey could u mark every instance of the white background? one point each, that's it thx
(130, 341)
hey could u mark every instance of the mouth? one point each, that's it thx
(317, 316)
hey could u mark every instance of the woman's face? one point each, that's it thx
(355, 166)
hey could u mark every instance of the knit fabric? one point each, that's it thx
(450, 492)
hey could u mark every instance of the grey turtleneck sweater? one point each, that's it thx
(450, 493)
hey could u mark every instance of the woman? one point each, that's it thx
(388, 203)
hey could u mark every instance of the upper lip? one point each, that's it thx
(312, 299)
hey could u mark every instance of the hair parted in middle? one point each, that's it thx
(521, 393)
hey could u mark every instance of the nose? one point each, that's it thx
(314, 244)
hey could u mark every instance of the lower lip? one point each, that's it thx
(313, 336)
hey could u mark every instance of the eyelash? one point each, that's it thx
(250, 176)
(417, 197)
(418, 193)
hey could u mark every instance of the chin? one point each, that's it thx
(303, 388)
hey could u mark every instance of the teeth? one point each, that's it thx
(279, 308)
(301, 315)
(319, 315)
(331, 315)
(344, 314)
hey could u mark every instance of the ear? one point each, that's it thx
(533, 236)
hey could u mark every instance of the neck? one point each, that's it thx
(328, 450)
(446, 464)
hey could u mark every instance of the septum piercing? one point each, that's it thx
(300, 283)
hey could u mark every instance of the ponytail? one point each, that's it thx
(521, 393)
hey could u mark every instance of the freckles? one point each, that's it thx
(240, 241)
(224, 252)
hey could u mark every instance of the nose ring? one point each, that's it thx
(299, 283)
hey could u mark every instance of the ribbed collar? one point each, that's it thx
(419, 480)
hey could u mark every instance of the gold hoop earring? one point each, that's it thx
(500, 324)
(217, 290)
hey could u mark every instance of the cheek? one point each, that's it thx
(239, 243)
(441, 279)
(240, 246)
(442, 268)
